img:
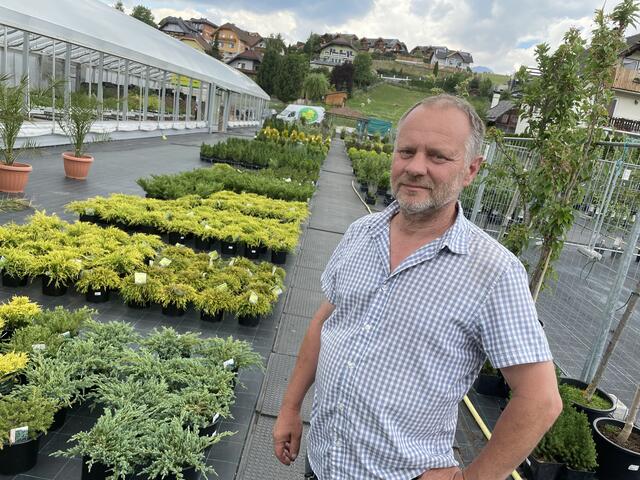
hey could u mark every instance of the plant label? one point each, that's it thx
(215, 417)
(89, 211)
(214, 255)
(165, 262)
(18, 435)
(66, 334)
(178, 244)
(38, 347)
(151, 262)
(2, 261)
(140, 278)
(627, 174)
(97, 294)
(634, 468)
(277, 291)
(229, 363)
(231, 262)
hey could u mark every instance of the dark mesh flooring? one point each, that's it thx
(248, 454)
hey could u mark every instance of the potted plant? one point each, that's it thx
(618, 445)
(137, 291)
(65, 322)
(166, 343)
(14, 111)
(29, 411)
(11, 364)
(212, 302)
(491, 382)
(251, 305)
(174, 298)
(76, 122)
(57, 381)
(59, 269)
(16, 267)
(96, 283)
(115, 446)
(34, 338)
(18, 312)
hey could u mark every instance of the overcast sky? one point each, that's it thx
(500, 34)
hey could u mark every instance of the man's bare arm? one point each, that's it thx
(534, 407)
(287, 431)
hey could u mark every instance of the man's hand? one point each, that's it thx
(287, 433)
(451, 473)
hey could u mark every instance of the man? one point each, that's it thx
(417, 298)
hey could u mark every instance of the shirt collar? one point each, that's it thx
(456, 238)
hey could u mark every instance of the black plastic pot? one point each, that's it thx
(363, 188)
(98, 296)
(212, 428)
(539, 470)
(262, 249)
(592, 413)
(188, 474)
(571, 474)
(175, 237)
(228, 248)
(249, 320)
(251, 253)
(138, 306)
(205, 317)
(19, 457)
(7, 385)
(492, 385)
(49, 288)
(370, 199)
(203, 243)
(89, 218)
(9, 281)
(172, 310)
(279, 258)
(148, 229)
(59, 418)
(614, 462)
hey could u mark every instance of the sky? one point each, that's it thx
(500, 34)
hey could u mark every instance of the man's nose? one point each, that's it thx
(418, 165)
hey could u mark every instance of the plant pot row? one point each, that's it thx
(233, 163)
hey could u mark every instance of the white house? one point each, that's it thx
(337, 51)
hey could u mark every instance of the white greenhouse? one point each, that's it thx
(147, 82)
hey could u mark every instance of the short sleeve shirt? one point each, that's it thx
(402, 348)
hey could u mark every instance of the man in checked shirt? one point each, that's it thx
(417, 298)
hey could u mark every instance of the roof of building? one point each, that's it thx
(184, 25)
(388, 42)
(93, 26)
(199, 39)
(250, 38)
(203, 20)
(342, 41)
(247, 55)
(501, 108)
(444, 52)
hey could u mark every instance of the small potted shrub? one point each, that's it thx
(18, 312)
(36, 338)
(601, 403)
(28, 409)
(166, 343)
(63, 321)
(16, 267)
(59, 269)
(139, 294)
(252, 305)
(212, 302)
(97, 283)
(174, 298)
(76, 122)
(11, 364)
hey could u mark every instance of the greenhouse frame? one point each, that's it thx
(92, 47)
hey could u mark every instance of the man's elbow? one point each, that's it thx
(552, 407)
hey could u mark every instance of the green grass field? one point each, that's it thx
(388, 102)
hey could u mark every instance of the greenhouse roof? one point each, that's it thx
(92, 26)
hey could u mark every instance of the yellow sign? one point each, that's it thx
(184, 81)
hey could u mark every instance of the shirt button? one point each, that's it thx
(384, 288)
(367, 327)
(351, 364)
(340, 407)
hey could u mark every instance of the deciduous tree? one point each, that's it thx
(144, 14)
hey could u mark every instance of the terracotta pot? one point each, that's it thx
(13, 178)
(76, 167)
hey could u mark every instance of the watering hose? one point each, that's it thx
(474, 413)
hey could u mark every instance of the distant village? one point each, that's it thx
(244, 50)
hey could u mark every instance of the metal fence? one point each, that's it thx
(582, 295)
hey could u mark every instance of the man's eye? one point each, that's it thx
(405, 153)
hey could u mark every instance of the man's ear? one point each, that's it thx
(473, 169)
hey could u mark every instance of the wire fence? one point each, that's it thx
(580, 295)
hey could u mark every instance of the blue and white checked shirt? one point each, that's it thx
(402, 349)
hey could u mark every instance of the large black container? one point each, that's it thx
(492, 385)
(205, 317)
(97, 296)
(538, 470)
(251, 253)
(614, 462)
(175, 237)
(203, 243)
(19, 457)
(173, 310)
(279, 258)
(570, 474)
(49, 288)
(59, 418)
(591, 413)
(228, 248)
(9, 281)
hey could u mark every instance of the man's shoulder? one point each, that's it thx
(364, 224)
(487, 248)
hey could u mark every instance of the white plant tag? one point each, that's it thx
(207, 227)
(222, 287)
(214, 255)
(38, 347)
(97, 293)
(140, 278)
(627, 174)
(232, 262)
(215, 417)
(277, 291)
(165, 262)
(89, 211)
(229, 363)
(634, 468)
(18, 435)
(151, 262)
(66, 334)
(253, 298)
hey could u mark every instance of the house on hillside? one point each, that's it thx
(425, 51)
(232, 40)
(195, 32)
(247, 62)
(503, 115)
(624, 110)
(336, 52)
(383, 45)
(451, 58)
(327, 37)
